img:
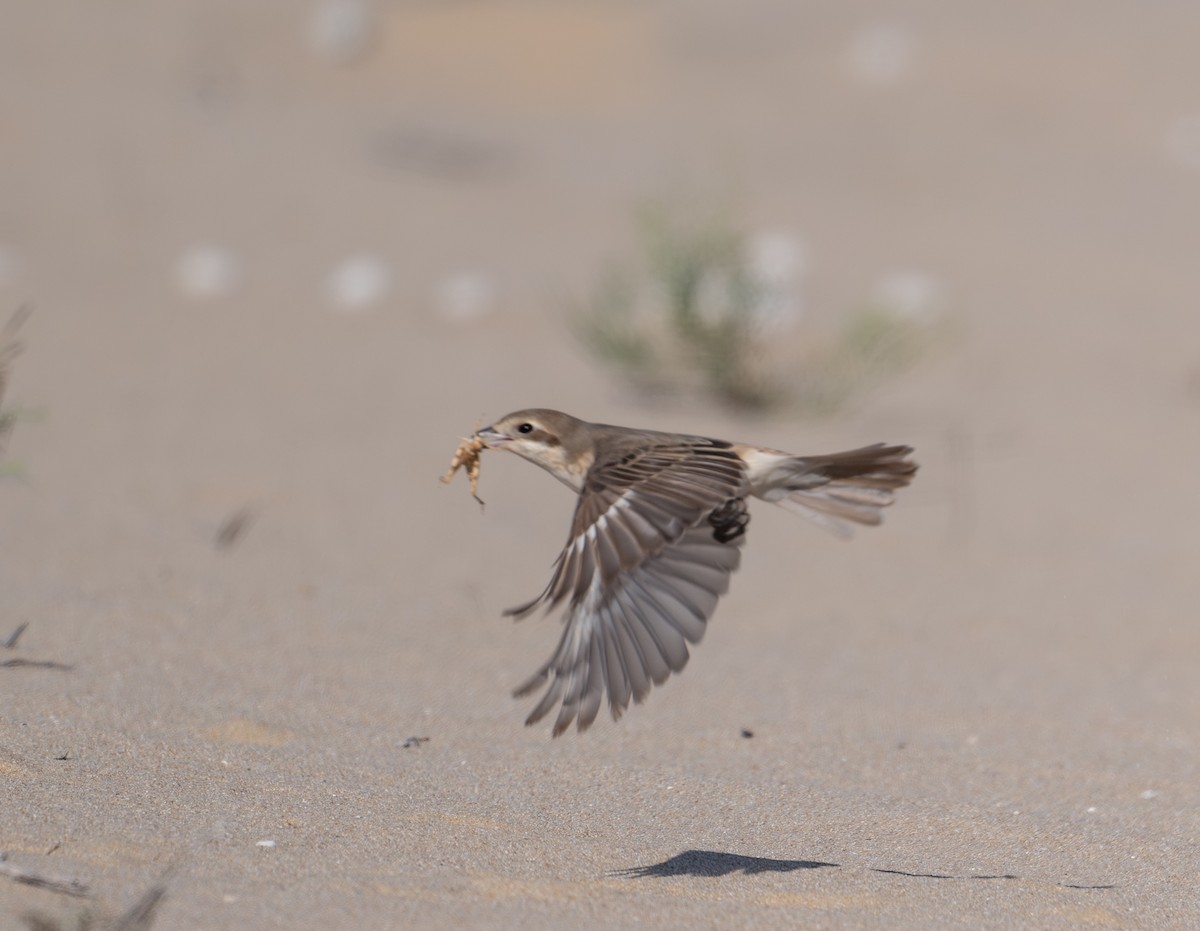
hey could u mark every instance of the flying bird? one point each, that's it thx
(657, 532)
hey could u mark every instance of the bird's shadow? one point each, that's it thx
(716, 863)
(712, 863)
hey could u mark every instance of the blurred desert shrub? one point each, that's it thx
(10, 348)
(873, 342)
(691, 313)
(138, 917)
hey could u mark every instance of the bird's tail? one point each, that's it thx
(843, 489)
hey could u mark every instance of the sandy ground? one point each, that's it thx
(985, 714)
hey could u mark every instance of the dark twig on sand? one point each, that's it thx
(11, 642)
(140, 915)
(64, 886)
(233, 528)
(40, 663)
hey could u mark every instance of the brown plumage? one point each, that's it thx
(656, 534)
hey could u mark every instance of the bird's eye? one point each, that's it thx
(525, 428)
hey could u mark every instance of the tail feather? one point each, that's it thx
(842, 489)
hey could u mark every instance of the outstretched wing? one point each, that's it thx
(655, 537)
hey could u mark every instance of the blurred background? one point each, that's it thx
(281, 254)
(272, 238)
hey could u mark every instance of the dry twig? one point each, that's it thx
(64, 886)
(11, 642)
(38, 663)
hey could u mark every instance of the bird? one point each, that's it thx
(657, 532)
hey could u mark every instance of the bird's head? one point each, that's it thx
(554, 440)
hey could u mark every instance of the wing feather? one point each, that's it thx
(637, 666)
(655, 537)
(643, 572)
(619, 689)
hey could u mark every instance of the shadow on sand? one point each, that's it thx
(717, 863)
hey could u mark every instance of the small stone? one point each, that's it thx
(207, 271)
(910, 294)
(881, 54)
(358, 282)
(465, 295)
(777, 262)
(265, 843)
(9, 265)
(342, 31)
(1182, 141)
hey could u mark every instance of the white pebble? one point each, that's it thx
(358, 282)
(777, 262)
(912, 294)
(1150, 793)
(881, 54)
(465, 295)
(207, 271)
(265, 843)
(9, 265)
(342, 31)
(1182, 141)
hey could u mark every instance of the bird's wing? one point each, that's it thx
(655, 536)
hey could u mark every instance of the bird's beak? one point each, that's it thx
(493, 438)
